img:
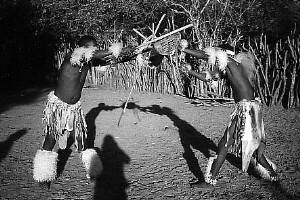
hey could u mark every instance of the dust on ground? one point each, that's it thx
(161, 144)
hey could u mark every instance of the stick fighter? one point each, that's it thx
(63, 116)
(245, 135)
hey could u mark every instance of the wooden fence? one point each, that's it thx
(278, 70)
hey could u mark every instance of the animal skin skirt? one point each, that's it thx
(248, 131)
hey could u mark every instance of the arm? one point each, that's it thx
(130, 53)
(101, 57)
(206, 76)
(202, 75)
(197, 53)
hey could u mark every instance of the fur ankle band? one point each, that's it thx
(208, 176)
(92, 163)
(45, 166)
(266, 174)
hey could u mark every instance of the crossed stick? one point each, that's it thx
(146, 42)
(124, 109)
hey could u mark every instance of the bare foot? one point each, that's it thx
(202, 185)
(45, 185)
(195, 181)
(274, 176)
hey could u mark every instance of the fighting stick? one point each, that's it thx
(124, 109)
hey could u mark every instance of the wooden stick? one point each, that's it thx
(153, 29)
(215, 98)
(124, 110)
(158, 25)
(168, 34)
(139, 33)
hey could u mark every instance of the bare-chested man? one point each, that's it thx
(63, 116)
(245, 135)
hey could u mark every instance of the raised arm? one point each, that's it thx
(101, 57)
(197, 53)
(203, 76)
(206, 76)
(130, 53)
(213, 55)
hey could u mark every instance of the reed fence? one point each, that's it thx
(278, 69)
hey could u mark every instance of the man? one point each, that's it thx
(245, 135)
(63, 116)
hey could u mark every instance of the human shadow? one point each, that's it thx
(21, 97)
(130, 106)
(90, 119)
(278, 192)
(112, 184)
(190, 139)
(6, 145)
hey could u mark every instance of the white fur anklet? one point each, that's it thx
(210, 180)
(208, 176)
(45, 166)
(92, 163)
(264, 173)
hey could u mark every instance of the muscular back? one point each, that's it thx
(238, 78)
(70, 82)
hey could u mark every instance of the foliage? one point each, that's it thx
(106, 18)
(36, 34)
(214, 20)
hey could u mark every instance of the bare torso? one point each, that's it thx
(70, 82)
(239, 81)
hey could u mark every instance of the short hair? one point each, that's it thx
(86, 39)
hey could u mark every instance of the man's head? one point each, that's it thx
(87, 41)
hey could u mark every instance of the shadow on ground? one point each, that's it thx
(90, 119)
(6, 145)
(190, 138)
(278, 191)
(112, 184)
(64, 154)
(26, 96)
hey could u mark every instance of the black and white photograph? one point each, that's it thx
(149, 99)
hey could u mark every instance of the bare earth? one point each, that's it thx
(149, 156)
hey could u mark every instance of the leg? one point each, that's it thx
(193, 164)
(49, 142)
(215, 164)
(92, 163)
(90, 158)
(221, 156)
(64, 154)
(45, 163)
(266, 169)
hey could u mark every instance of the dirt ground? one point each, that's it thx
(161, 144)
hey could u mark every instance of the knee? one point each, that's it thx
(224, 144)
(49, 143)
